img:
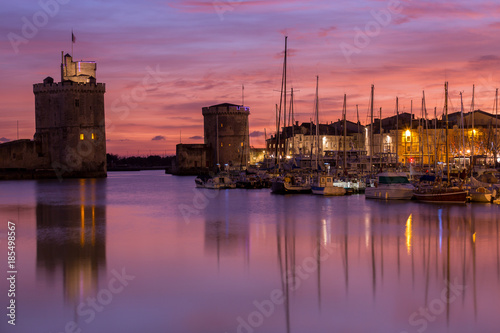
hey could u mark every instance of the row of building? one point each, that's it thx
(399, 139)
(404, 137)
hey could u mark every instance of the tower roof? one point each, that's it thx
(223, 104)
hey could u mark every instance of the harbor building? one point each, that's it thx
(226, 142)
(70, 138)
(226, 134)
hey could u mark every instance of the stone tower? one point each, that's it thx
(69, 118)
(226, 134)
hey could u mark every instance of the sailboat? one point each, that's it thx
(323, 183)
(442, 192)
(288, 183)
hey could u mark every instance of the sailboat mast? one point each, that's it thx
(381, 139)
(446, 132)
(317, 123)
(462, 123)
(397, 132)
(472, 148)
(496, 124)
(436, 146)
(344, 111)
(427, 133)
(284, 97)
(371, 130)
(277, 137)
(421, 133)
(293, 123)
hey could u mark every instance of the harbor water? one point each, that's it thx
(148, 252)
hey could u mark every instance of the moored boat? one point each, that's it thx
(441, 194)
(290, 184)
(390, 186)
(324, 186)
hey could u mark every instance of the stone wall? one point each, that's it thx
(70, 129)
(191, 159)
(226, 127)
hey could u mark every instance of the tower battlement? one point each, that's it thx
(69, 86)
(226, 108)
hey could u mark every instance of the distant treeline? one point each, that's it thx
(153, 161)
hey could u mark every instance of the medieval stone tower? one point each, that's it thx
(69, 117)
(226, 134)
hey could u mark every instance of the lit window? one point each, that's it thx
(82, 137)
(221, 144)
(408, 135)
(229, 145)
(93, 136)
(242, 144)
(221, 125)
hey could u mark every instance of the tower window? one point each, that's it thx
(93, 136)
(77, 103)
(82, 136)
(242, 144)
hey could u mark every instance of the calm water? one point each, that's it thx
(146, 252)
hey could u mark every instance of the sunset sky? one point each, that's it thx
(200, 53)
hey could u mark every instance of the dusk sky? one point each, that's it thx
(199, 53)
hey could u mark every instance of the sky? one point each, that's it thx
(194, 54)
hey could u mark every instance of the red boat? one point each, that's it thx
(441, 195)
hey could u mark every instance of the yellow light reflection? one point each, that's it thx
(82, 227)
(408, 234)
(326, 232)
(93, 225)
(474, 237)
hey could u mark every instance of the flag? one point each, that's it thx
(73, 37)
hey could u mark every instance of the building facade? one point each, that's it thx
(227, 134)
(70, 138)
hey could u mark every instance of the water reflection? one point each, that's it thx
(71, 235)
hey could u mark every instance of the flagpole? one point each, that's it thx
(72, 42)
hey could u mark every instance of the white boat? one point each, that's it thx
(482, 194)
(391, 186)
(324, 186)
(481, 191)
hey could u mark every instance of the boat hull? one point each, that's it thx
(389, 193)
(442, 196)
(328, 190)
(278, 187)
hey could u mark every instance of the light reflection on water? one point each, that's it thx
(246, 260)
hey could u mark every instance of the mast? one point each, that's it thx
(496, 125)
(317, 123)
(472, 148)
(427, 132)
(421, 133)
(411, 126)
(397, 132)
(357, 115)
(293, 124)
(344, 111)
(284, 97)
(277, 137)
(371, 130)
(217, 134)
(462, 121)
(446, 132)
(381, 140)
(435, 140)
